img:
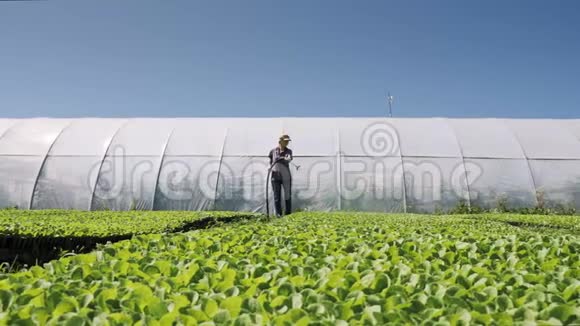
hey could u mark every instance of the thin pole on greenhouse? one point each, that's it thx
(390, 101)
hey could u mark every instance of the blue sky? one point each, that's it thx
(291, 58)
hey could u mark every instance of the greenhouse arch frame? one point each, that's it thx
(365, 164)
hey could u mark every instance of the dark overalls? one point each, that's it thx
(281, 177)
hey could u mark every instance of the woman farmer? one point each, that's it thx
(281, 177)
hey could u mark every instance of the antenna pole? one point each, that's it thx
(390, 100)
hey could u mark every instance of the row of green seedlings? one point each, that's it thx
(20, 251)
(502, 206)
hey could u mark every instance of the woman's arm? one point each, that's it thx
(289, 156)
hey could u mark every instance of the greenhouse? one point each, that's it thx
(363, 164)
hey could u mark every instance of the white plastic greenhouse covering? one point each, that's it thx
(367, 164)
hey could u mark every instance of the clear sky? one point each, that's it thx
(290, 58)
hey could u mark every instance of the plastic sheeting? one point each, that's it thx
(366, 164)
(557, 182)
(545, 139)
(23, 151)
(494, 180)
(69, 174)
